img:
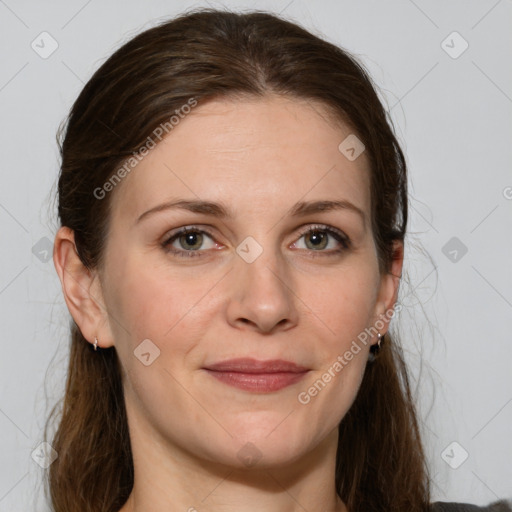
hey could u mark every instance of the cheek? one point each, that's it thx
(342, 307)
(153, 304)
(343, 302)
(327, 397)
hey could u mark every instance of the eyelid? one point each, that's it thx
(187, 229)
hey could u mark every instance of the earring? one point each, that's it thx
(375, 349)
(95, 343)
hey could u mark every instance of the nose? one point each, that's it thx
(261, 294)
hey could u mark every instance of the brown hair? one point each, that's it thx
(206, 54)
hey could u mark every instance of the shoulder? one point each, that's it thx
(496, 506)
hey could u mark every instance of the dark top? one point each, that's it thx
(496, 506)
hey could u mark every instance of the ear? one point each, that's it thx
(388, 290)
(82, 290)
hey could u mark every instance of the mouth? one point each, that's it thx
(257, 376)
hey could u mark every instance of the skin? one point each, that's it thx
(294, 302)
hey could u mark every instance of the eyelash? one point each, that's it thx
(336, 234)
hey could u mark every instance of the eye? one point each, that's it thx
(190, 241)
(319, 237)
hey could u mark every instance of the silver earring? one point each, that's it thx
(95, 343)
(375, 349)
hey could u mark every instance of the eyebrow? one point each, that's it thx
(300, 209)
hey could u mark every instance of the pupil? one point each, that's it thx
(191, 239)
(317, 238)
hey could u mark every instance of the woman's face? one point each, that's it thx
(257, 283)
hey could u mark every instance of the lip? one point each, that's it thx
(248, 365)
(257, 376)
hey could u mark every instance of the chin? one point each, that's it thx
(268, 448)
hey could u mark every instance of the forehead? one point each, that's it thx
(258, 153)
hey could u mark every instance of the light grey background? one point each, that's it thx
(453, 117)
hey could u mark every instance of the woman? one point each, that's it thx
(233, 205)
